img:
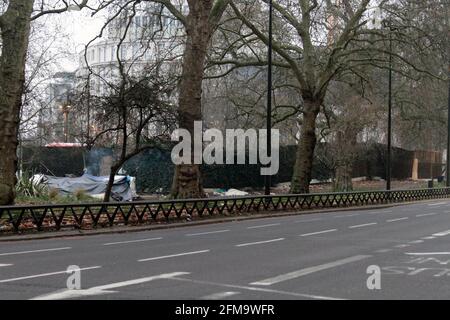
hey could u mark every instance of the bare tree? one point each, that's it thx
(200, 25)
(15, 22)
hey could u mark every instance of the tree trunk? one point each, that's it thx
(345, 155)
(343, 181)
(15, 30)
(301, 177)
(109, 186)
(187, 178)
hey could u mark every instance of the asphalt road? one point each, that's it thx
(313, 256)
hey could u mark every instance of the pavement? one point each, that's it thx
(402, 252)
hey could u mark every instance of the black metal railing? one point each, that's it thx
(17, 219)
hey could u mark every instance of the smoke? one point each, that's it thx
(94, 159)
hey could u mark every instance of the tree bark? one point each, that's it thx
(302, 174)
(345, 156)
(187, 181)
(15, 30)
(109, 186)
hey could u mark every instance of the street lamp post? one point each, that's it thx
(65, 109)
(268, 178)
(447, 23)
(388, 24)
(447, 180)
(389, 142)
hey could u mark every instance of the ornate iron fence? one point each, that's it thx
(17, 219)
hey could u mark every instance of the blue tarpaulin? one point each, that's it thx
(92, 185)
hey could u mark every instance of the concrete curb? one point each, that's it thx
(201, 221)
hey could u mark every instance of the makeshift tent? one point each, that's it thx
(123, 188)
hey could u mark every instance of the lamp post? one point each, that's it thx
(389, 144)
(388, 24)
(447, 23)
(447, 180)
(268, 178)
(65, 109)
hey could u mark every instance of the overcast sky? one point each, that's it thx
(80, 28)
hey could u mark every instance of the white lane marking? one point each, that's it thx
(220, 295)
(402, 245)
(379, 211)
(258, 242)
(264, 226)
(363, 225)
(131, 241)
(348, 215)
(306, 271)
(44, 275)
(173, 255)
(398, 219)
(294, 294)
(426, 214)
(429, 238)
(309, 220)
(33, 251)
(99, 290)
(318, 232)
(416, 241)
(436, 204)
(5, 265)
(383, 250)
(427, 253)
(442, 234)
(205, 233)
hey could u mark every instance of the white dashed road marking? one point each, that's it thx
(131, 241)
(348, 215)
(5, 265)
(33, 251)
(220, 295)
(308, 220)
(442, 234)
(362, 225)
(174, 255)
(264, 226)
(259, 242)
(416, 241)
(306, 271)
(205, 233)
(383, 250)
(427, 253)
(318, 232)
(436, 204)
(398, 219)
(426, 214)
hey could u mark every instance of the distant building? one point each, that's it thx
(152, 35)
(54, 121)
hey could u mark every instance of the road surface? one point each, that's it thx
(310, 256)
